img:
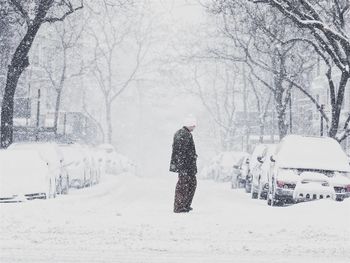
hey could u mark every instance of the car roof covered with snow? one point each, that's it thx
(20, 168)
(71, 153)
(48, 151)
(319, 153)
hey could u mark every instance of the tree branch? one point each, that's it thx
(71, 10)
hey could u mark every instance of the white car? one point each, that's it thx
(109, 157)
(260, 184)
(94, 168)
(75, 164)
(220, 168)
(51, 154)
(24, 175)
(240, 173)
(100, 159)
(115, 162)
(255, 170)
(308, 168)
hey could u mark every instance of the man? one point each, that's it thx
(183, 162)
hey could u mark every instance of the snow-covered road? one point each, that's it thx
(130, 219)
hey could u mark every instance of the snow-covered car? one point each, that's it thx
(75, 164)
(260, 184)
(109, 157)
(307, 168)
(240, 173)
(94, 170)
(100, 159)
(115, 162)
(220, 168)
(51, 154)
(24, 175)
(254, 169)
(123, 164)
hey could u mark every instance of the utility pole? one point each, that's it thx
(290, 114)
(64, 124)
(322, 121)
(37, 117)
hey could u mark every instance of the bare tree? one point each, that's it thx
(112, 34)
(34, 14)
(276, 63)
(92, 117)
(58, 66)
(218, 93)
(326, 23)
(263, 103)
(7, 36)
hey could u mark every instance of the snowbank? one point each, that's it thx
(129, 219)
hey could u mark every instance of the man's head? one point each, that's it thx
(190, 122)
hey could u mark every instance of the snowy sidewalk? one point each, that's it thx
(130, 219)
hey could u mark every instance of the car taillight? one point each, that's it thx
(284, 185)
(280, 184)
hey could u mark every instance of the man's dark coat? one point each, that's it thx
(184, 156)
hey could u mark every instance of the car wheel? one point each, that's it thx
(52, 190)
(271, 197)
(339, 199)
(247, 188)
(59, 187)
(254, 194)
(259, 189)
(234, 184)
(65, 191)
(84, 181)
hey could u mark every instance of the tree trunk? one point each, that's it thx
(336, 107)
(109, 122)
(281, 111)
(245, 110)
(59, 90)
(18, 64)
(7, 106)
(57, 110)
(282, 127)
(262, 131)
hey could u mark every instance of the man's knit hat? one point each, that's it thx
(189, 121)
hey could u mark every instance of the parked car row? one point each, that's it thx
(298, 168)
(220, 168)
(41, 170)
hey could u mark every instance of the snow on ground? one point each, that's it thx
(129, 219)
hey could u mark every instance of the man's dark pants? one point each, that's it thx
(184, 192)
